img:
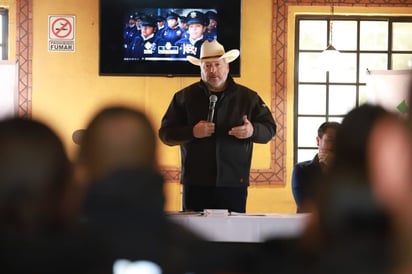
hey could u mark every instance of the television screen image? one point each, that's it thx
(154, 37)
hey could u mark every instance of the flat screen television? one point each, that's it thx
(118, 54)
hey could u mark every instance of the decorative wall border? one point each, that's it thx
(24, 46)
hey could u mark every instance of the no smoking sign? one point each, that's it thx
(61, 33)
(61, 27)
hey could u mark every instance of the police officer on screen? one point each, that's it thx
(172, 32)
(160, 21)
(211, 29)
(129, 32)
(145, 45)
(190, 45)
(138, 18)
(183, 25)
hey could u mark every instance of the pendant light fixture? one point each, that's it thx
(330, 56)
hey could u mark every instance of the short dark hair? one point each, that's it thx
(327, 125)
(103, 151)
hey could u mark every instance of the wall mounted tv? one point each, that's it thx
(123, 51)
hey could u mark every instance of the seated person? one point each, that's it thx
(36, 172)
(361, 220)
(305, 174)
(38, 224)
(124, 196)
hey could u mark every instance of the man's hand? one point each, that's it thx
(325, 157)
(244, 131)
(203, 129)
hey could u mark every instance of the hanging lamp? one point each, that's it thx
(330, 56)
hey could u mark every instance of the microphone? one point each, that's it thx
(212, 104)
(77, 136)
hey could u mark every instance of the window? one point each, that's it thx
(374, 43)
(3, 34)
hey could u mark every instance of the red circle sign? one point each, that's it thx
(61, 28)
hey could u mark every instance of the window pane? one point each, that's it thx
(344, 35)
(363, 95)
(371, 61)
(1, 30)
(402, 36)
(348, 74)
(312, 99)
(336, 119)
(306, 154)
(308, 129)
(373, 35)
(312, 35)
(309, 68)
(341, 99)
(345, 70)
(401, 61)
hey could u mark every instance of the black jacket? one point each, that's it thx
(220, 160)
(305, 176)
(125, 210)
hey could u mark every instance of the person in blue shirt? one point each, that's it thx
(306, 174)
(190, 45)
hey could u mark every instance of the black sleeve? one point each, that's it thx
(175, 129)
(263, 123)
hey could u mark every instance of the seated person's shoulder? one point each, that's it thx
(304, 164)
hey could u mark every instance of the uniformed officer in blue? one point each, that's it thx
(145, 45)
(138, 18)
(129, 32)
(211, 29)
(183, 25)
(161, 24)
(196, 22)
(172, 32)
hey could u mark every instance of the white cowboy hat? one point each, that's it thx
(212, 51)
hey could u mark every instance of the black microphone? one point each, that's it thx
(212, 104)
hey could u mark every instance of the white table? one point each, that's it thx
(242, 227)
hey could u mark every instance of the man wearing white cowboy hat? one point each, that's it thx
(216, 150)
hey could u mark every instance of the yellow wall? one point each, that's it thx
(67, 90)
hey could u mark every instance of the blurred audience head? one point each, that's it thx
(116, 138)
(353, 136)
(364, 206)
(375, 144)
(34, 175)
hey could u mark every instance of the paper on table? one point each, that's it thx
(245, 214)
(216, 212)
(184, 213)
